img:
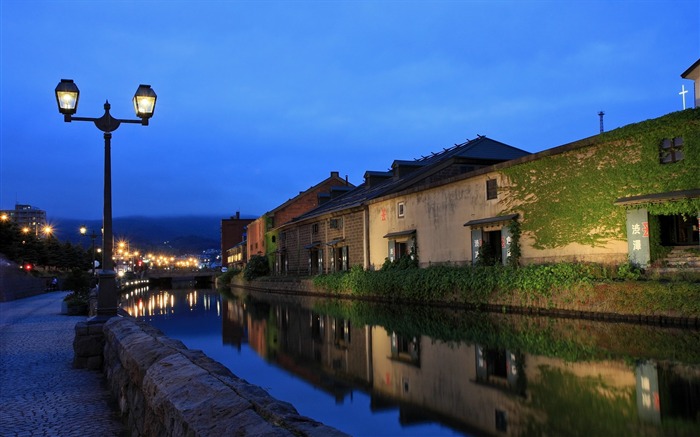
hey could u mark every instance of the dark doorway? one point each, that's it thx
(316, 261)
(492, 248)
(679, 230)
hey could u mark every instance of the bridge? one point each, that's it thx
(168, 278)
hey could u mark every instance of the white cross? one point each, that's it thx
(683, 93)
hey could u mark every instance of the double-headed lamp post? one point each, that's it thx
(67, 95)
(93, 235)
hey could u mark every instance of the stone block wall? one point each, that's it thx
(16, 284)
(88, 345)
(165, 389)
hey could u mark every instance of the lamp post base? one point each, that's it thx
(107, 296)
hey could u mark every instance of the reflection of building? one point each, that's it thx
(327, 352)
(495, 391)
(474, 388)
(334, 348)
(462, 385)
(667, 392)
(27, 217)
(233, 323)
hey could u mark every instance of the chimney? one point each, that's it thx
(335, 174)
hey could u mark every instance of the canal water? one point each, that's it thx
(389, 370)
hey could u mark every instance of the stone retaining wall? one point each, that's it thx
(165, 389)
(306, 287)
(16, 284)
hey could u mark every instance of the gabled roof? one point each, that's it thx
(481, 149)
(692, 72)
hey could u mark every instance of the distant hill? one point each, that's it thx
(179, 235)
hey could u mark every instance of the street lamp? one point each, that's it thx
(67, 95)
(83, 231)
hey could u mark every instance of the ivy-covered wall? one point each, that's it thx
(568, 197)
(271, 247)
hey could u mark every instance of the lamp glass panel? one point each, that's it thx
(143, 105)
(67, 99)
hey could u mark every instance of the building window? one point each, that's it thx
(401, 209)
(316, 261)
(491, 189)
(405, 348)
(340, 259)
(314, 228)
(318, 327)
(671, 150)
(336, 223)
(401, 248)
(342, 334)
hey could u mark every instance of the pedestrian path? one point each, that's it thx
(40, 392)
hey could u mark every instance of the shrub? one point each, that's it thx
(225, 278)
(78, 282)
(257, 266)
(629, 271)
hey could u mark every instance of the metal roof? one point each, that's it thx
(479, 149)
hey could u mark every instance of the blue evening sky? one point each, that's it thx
(258, 100)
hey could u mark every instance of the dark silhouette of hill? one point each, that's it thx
(179, 235)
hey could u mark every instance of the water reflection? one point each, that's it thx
(141, 302)
(437, 372)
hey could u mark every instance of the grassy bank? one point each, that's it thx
(566, 286)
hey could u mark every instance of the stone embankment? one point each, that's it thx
(163, 388)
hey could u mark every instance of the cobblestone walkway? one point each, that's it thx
(40, 393)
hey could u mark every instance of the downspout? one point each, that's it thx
(365, 237)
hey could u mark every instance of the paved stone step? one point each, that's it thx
(683, 256)
(695, 265)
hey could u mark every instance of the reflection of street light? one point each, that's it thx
(67, 95)
(83, 231)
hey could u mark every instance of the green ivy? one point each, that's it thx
(561, 285)
(569, 197)
(515, 250)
